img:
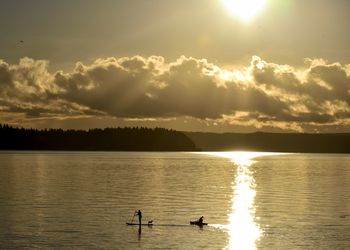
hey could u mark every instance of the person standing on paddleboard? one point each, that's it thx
(139, 213)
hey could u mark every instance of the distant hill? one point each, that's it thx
(109, 139)
(272, 142)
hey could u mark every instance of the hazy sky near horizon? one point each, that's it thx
(185, 64)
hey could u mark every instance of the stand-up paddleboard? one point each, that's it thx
(137, 224)
(169, 225)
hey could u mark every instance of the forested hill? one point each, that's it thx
(272, 142)
(109, 139)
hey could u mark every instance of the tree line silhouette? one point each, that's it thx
(160, 139)
(108, 139)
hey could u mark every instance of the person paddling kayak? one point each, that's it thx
(200, 220)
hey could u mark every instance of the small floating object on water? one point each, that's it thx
(344, 216)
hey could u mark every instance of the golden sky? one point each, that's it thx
(198, 65)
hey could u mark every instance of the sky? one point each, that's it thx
(191, 65)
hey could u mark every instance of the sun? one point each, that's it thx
(245, 10)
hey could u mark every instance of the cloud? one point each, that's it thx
(268, 94)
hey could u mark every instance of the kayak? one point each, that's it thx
(137, 224)
(198, 223)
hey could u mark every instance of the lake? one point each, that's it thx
(251, 200)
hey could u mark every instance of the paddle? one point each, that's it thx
(132, 220)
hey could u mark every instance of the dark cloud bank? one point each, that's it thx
(261, 94)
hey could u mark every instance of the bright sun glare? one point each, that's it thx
(245, 10)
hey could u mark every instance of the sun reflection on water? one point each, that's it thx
(243, 229)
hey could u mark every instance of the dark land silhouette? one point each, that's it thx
(160, 139)
(272, 142)
(108, 139)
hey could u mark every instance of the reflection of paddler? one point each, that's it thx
(139, 213)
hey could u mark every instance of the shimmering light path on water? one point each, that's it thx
(244, 231)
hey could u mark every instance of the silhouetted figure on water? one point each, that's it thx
(139, 213)
(200, 220)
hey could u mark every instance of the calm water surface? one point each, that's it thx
(65, 200)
